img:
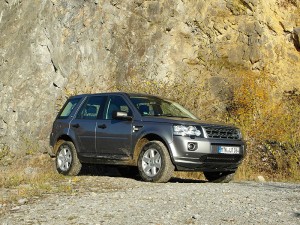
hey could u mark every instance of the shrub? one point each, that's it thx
(4, 151)
(270, 124)
(248, 99)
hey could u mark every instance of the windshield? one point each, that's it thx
(153, 106)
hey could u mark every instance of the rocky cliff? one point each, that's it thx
(51, 48)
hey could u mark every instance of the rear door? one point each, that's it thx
(85, 122)
(62, 122)
(113, 136)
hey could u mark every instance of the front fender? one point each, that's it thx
(161, 132)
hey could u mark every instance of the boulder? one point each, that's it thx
(296, 37)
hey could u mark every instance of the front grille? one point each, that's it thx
(222, 132)
(221, 158)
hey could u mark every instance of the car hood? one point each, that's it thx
(183, 121)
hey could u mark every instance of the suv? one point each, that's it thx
(150, 133)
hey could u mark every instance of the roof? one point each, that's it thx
(122, 93)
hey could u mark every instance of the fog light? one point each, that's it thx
(192, 146)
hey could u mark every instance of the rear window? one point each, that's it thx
(68, 108)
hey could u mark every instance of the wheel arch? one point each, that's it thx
(145, 139)
(63, 137)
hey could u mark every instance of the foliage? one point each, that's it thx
(237, 7)
(4, 151)
(190, 92)
(286, 3)
(30, 145)
(270, 124)
(269, 120)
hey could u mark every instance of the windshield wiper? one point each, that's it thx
(170, 115)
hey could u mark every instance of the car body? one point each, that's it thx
(152, 133)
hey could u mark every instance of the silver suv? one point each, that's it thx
(150, 133)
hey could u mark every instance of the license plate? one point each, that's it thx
(228, 150)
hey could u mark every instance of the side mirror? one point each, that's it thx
(121, 115)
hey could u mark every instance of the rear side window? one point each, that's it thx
(68, 108)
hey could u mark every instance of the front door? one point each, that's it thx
(113, 137)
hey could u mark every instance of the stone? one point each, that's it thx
(296, 37)
(15, 208)
(261, 179)
(31, 171)
(196, 216)
(22, 201)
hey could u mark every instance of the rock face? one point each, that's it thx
(51, 48)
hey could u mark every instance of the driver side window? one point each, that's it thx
(116, 104)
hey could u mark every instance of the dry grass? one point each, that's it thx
(30, 176)
(270, 125)
(189, 175)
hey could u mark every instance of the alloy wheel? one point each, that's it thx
(151, 162)
(64, 158)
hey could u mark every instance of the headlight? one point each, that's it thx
(182, 130)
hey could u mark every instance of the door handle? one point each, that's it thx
(76, 125)
(103, 126)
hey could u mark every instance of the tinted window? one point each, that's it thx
(116, 103)
(68, 108)
(153, 106)
(93, 108)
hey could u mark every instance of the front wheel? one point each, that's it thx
(67, 162)
(219, 177)
(154, 163)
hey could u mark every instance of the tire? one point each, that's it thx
(67, 162)
(219, 177)
(154, 163)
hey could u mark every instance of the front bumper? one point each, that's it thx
(206, 157)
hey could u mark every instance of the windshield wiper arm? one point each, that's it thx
(170, 115)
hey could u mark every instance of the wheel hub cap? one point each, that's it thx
(64, 158)
(151, 162)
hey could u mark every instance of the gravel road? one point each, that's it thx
(117, 200)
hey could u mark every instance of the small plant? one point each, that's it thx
(237, 7)
(4, 151)
(286, 3)
(30, 146)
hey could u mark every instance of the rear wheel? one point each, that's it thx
(219, 177)
(154, 163)
(67, 162)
